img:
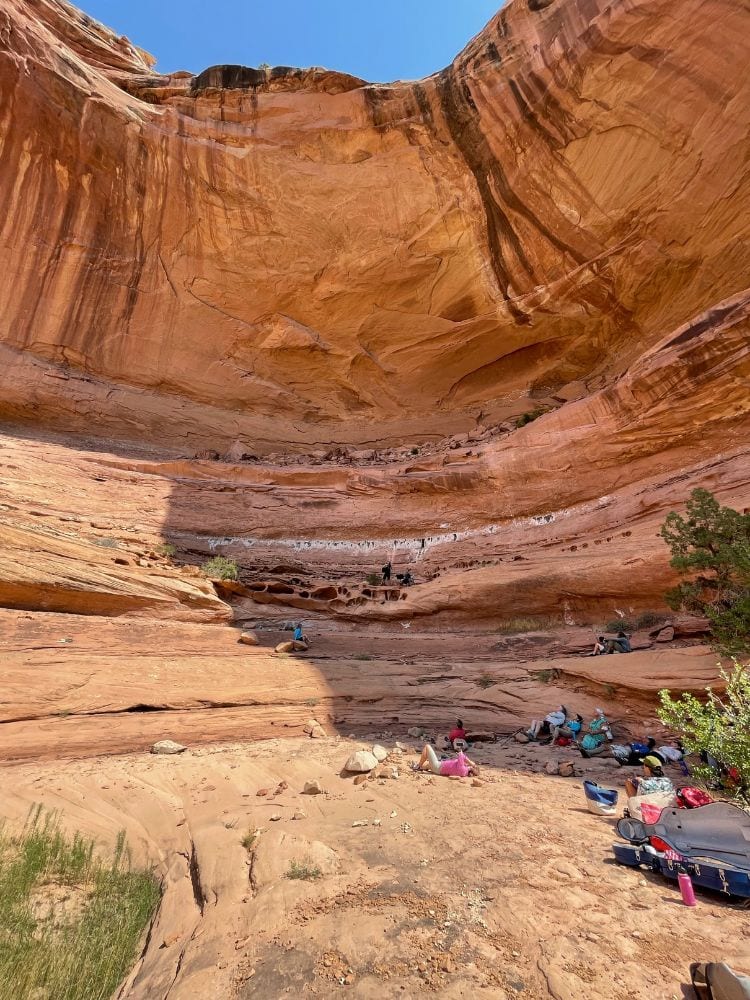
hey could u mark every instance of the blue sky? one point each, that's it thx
(388, 40)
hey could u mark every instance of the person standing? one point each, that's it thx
(386, 571)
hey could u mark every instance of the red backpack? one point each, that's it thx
(693, 798)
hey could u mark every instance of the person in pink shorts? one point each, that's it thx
(459, 766)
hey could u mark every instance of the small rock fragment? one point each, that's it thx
(312, 788)
(379, 753)
(275, 818)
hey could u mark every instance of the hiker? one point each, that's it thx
(575, 726)
(459, 766)
(299, 635)
(621, 644)
(386, 571)
(600, 647)
(594, 740)
(458, 732)
(407, 579)
(653, 780)
(549, 723)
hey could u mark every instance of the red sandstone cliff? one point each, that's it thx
(295, 259)
(300, 256)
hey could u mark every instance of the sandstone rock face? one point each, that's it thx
(215, 256)
(354, 293)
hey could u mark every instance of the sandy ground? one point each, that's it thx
(502, 890)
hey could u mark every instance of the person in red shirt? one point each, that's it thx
(459, 733)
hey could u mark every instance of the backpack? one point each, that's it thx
(693, 798)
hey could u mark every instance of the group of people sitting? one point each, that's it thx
(565, 728)
(603, 645)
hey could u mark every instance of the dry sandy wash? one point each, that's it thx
(492, 326)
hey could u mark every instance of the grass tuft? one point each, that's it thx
(363, 656)
(485, 681)
(105, 542)
(304, 870)
(514, 626)
(166, 549)
(70, 923)
(221, 568)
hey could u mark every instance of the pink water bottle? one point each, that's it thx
(686, 888)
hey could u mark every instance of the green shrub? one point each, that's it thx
(166, 549)
(620, 625)
(374, 579)
(720, 725)
(711, 547)
(485, 681)
(221, 568)
(304, 870)
(526, 418)
(362, 656)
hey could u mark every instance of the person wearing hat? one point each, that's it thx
(653, 780)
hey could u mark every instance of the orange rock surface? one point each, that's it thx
(490, 326)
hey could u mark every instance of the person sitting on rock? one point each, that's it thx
(300, 639)
(621, 644)
(549, 724)
(407, 579)
(653, 780)
(594, 740)
(459, 766)
(458, 732)
(600, 647)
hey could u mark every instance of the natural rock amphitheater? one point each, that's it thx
(491, 327)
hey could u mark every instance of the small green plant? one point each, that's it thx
(105, 542)
(221, 568)
(526, 418)
(362, 656)
(70, 923)
(304, 870)
(719, 726)
(485, 681)
(374, 579)
(311, 702)
(609, 689)
(649, 619)
(543, 676)
(264, 66)
(250, 840)
(166, 549)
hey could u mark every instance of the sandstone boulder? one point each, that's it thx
(312, 788)
(285, 647)
(379, 753)
(666, 634)
(361, 761)
(167, 747)
(249, 639)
